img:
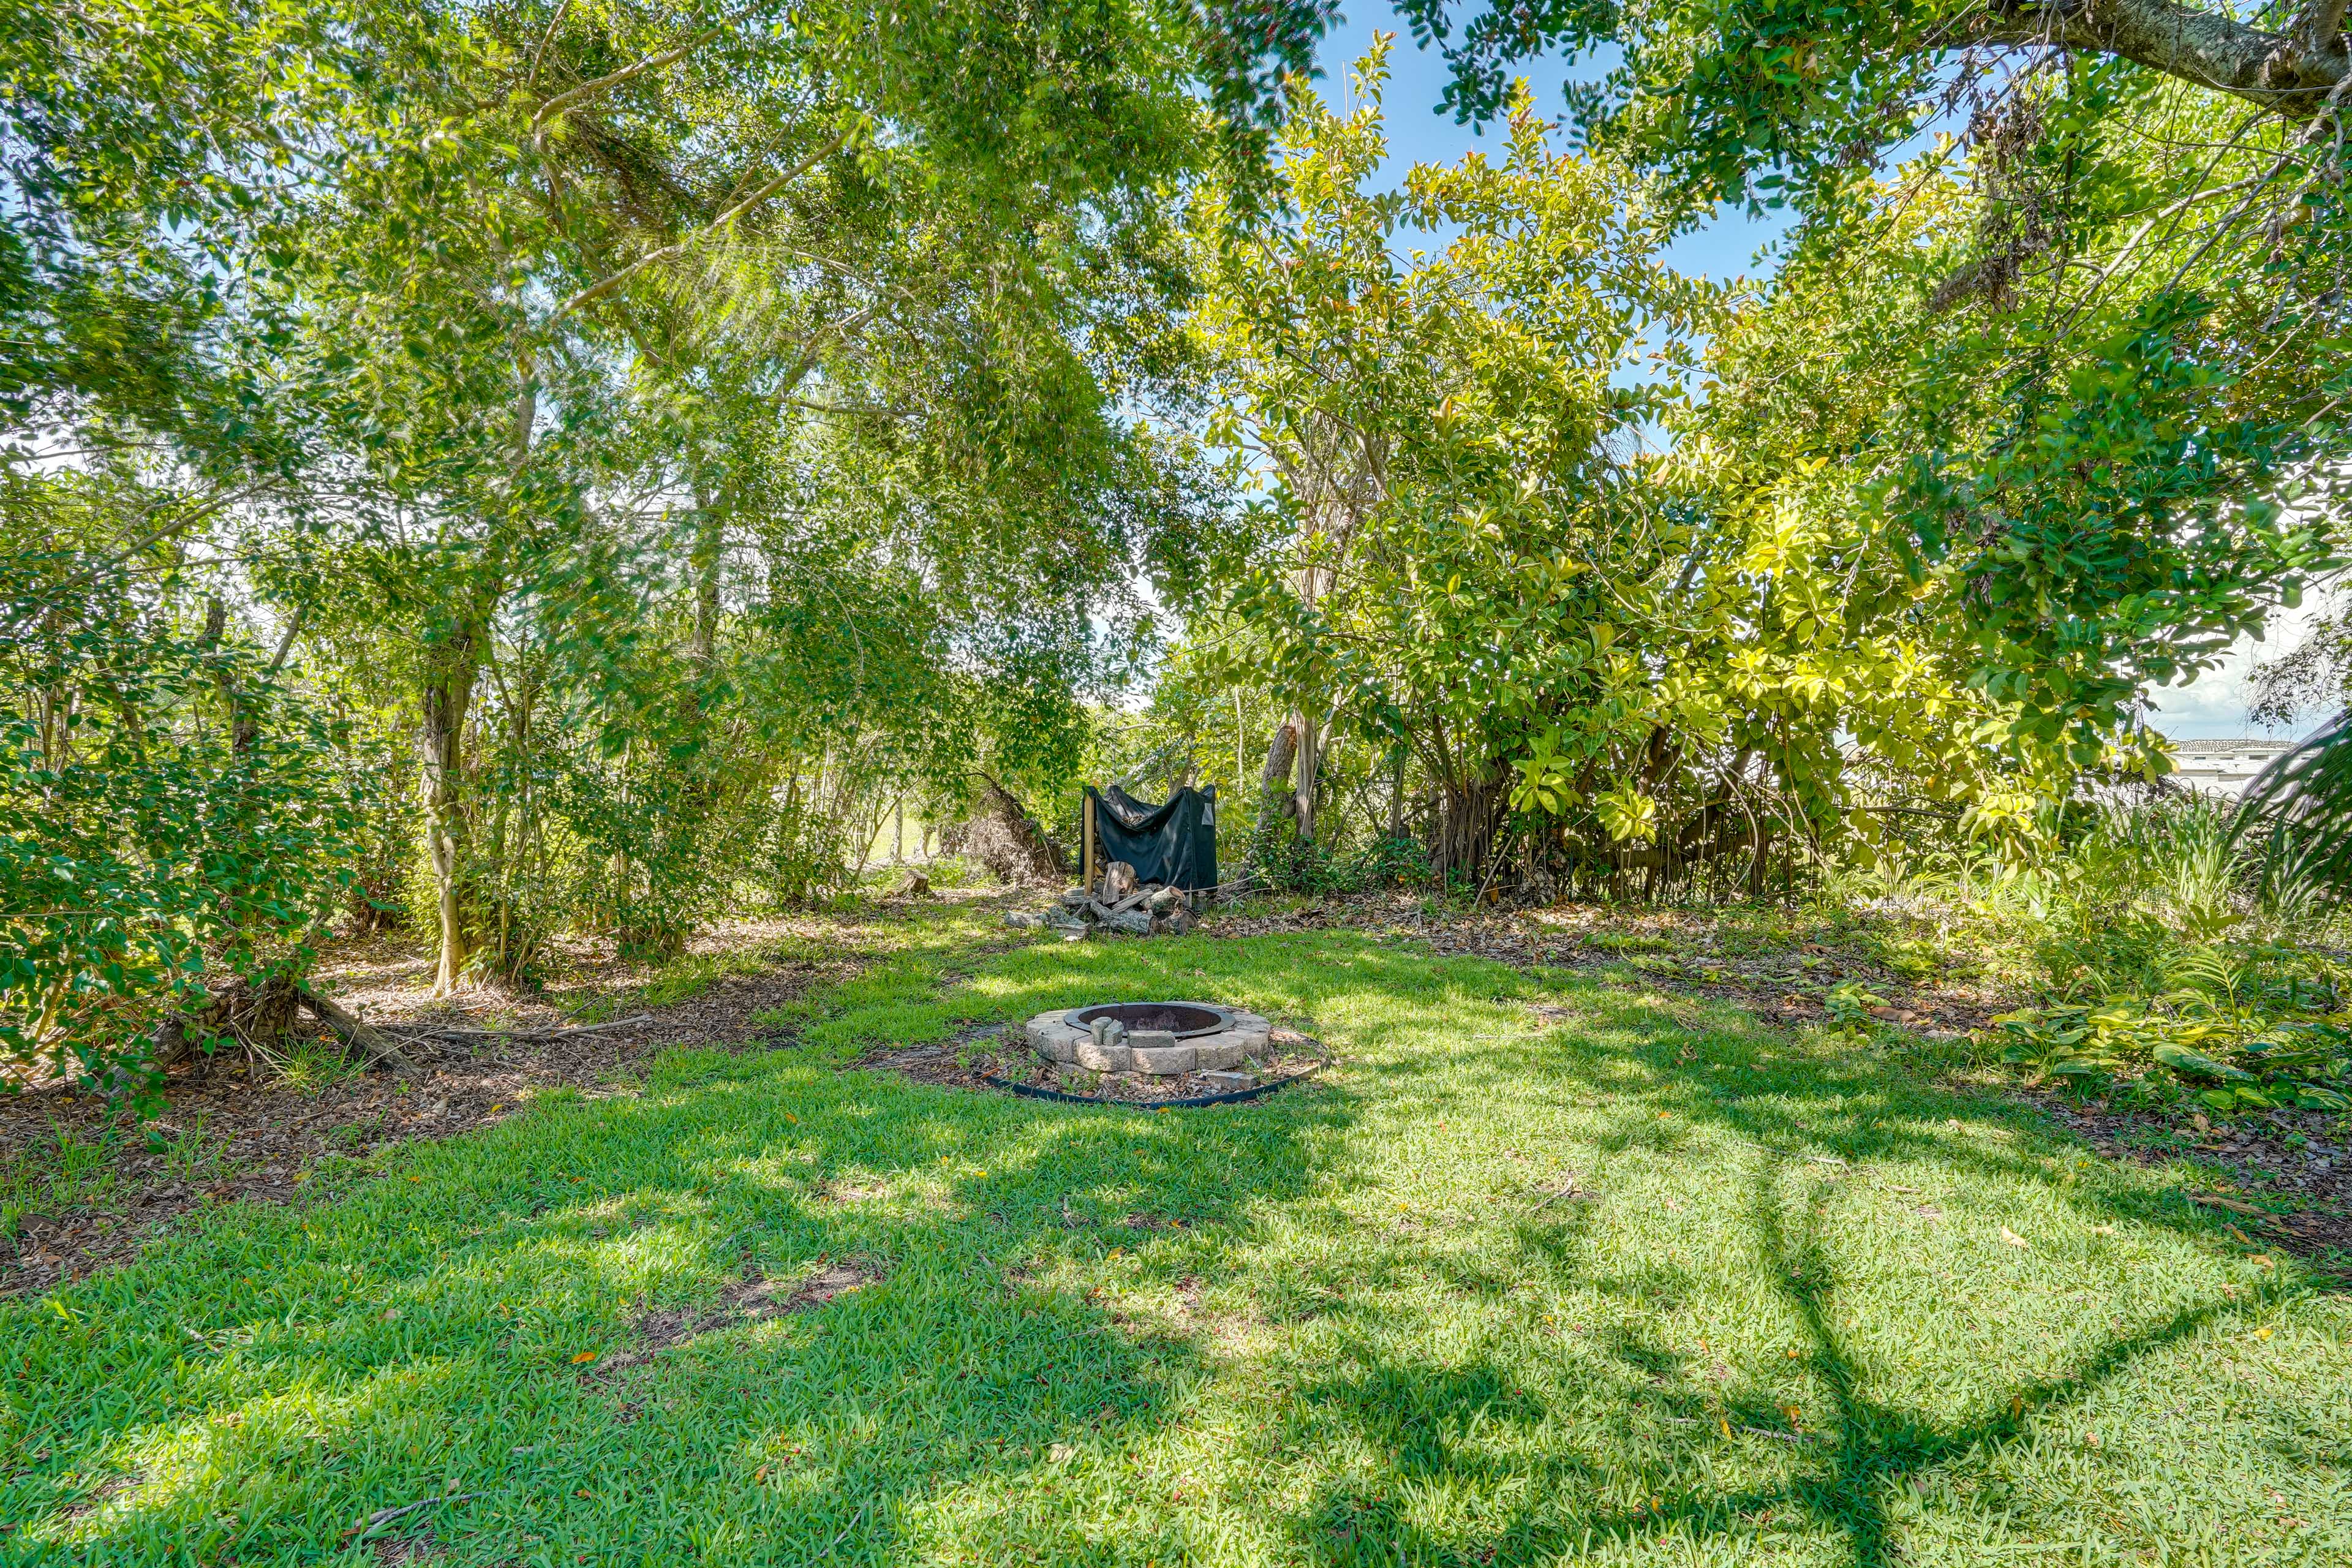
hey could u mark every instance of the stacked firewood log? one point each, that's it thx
(1117, 903)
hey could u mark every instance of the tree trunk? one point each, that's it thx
(441, 740)
(1241, 749)
(452, 667)
(254, 1016)
(1273, 779)
(1762, 863)
(710, 552)
(1469, 813)
(1310, 759)
(244, 728)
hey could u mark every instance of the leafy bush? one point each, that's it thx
(2169, 960)
(1277, 859)
(1383, 863)
(1849, 1004)
(165, 825)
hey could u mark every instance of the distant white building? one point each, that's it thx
(2223, 767)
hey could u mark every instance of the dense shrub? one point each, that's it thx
(164, 826)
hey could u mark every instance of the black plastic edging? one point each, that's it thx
(1030, 1091)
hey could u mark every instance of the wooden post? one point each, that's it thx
(1087, 871)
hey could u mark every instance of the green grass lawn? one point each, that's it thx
(1777, 1317)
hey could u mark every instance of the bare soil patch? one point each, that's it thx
(749, 1302)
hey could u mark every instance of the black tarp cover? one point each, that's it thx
(1175, 844)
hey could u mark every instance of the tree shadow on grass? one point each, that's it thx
(259, 1387)
(1819, 1119)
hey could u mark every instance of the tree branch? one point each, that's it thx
(2316, 30)
(286, 643)
(598, 290)
(371, 1042)
(539, 55)
(2291, 73)
(570, 95)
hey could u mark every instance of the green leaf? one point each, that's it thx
(2197, 1064)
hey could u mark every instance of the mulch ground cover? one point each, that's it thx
(233, 1126)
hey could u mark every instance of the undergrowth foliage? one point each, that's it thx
(2168, 960)
(163, 825)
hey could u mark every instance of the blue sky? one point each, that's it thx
(1420, 132)
(1725, 246)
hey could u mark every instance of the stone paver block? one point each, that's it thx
(1217, 1052)
(1162, 1062)
(1103, 1059)
(1052, 1038)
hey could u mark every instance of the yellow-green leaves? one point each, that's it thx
(1626, 814)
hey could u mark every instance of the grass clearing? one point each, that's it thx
(1634, 1281)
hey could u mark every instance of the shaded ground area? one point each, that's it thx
(1547, 1266)
(81, 1186)
(1779, 966)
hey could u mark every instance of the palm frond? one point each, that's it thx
(2303, 804)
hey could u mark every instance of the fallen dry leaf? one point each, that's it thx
(2235, 1205)
(2011, 1238)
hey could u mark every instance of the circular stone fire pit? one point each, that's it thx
(1181, 1019)
(1162, 1039)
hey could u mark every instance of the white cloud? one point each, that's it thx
(2216, 704)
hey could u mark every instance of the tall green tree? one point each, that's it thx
(2120, 437)
(647, 413)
